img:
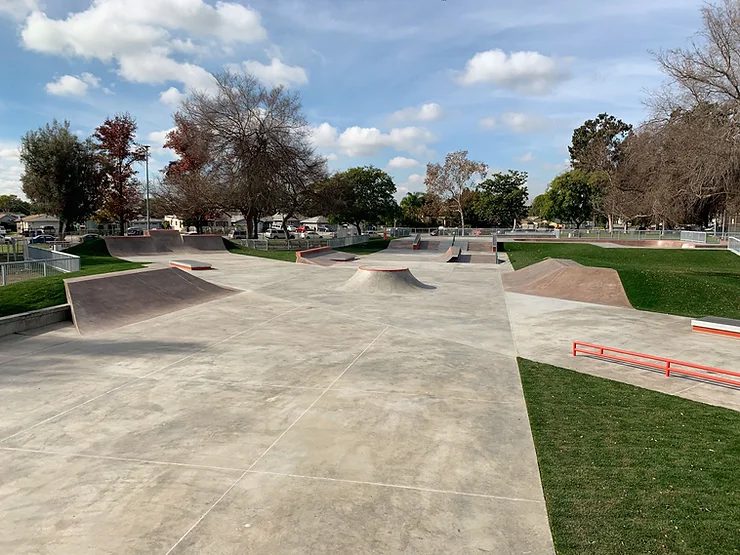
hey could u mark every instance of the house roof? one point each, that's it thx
(40, 218)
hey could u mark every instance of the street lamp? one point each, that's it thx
(146, 166)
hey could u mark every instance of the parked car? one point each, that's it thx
(42, 239)
(134, 231)
(273, 233)
(310, 235)
(89, 237)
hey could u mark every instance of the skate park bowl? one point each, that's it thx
(390, 281)
(566, 279)
(163, 241)
(323, 256)
(109, 301)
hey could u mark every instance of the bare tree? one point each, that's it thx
(253, 137)
(709, 70)
(451, 180)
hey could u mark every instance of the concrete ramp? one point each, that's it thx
(323, 256)
(393, 281)
(163, 241)
(110, 301)
(566, 279)
(451, 254)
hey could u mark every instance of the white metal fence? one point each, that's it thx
(694, 236)
(733, 245)
(37, 263)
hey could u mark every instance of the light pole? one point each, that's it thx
(146, 166)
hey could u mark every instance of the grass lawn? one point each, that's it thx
(49, 291)
(285, 256)
(628, 470)
(372, 246)
(675, 281)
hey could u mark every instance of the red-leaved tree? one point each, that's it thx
(118, 152)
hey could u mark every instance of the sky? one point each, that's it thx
(392, 83)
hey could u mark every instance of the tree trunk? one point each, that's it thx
(462, 221)
(610, 218)
(122, 224)
(357, 226)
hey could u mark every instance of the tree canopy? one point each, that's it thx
(571, 197)
(61, 174)
(361, 194)
(501, 199)
(453, 180)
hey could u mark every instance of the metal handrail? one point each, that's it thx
(667, 365)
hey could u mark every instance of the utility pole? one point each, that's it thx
(146, 165)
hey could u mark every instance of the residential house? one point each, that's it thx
(28, 225)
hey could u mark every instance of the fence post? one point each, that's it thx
(668, 369)
(43, 264)
(2, 275)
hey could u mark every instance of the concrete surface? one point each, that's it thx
(288, 418)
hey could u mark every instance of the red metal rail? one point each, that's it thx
(667, 365)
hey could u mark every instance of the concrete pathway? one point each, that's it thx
(289, 418)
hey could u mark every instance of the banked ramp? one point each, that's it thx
(164, 241)
(109, 301)
(566, 279)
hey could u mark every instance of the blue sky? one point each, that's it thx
(391, 83)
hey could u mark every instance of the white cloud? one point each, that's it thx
(10, 169)
(366, 141)
(400, 162)
(524, 72)
(324, 136)
(69, 85)
(158, 138)
(426, 112)
(488, 123)
(276, 73)
(526, 157)
(517, 122)
(141, 35)
(17, 9)
(172, 97)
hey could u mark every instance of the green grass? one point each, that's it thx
(285, 256)
(372, 246)
(686, 282)
(628, 470)
(49, 291)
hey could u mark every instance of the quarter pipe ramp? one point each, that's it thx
(163, 241)
(110, 301)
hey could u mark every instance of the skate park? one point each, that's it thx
(286, 406)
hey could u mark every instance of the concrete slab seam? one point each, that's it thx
(145, 376)
(244, 472)
(292, 424)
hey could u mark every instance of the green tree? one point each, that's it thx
(596, 146)
(412, 208)
(453, 180)
(502, 198)
(60, 173)
(541, 206)
(362, 194)
(572, 195)
(14, 204)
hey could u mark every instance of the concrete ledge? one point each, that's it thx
(16, 323)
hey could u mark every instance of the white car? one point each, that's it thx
(273, 233)
(310, 235)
